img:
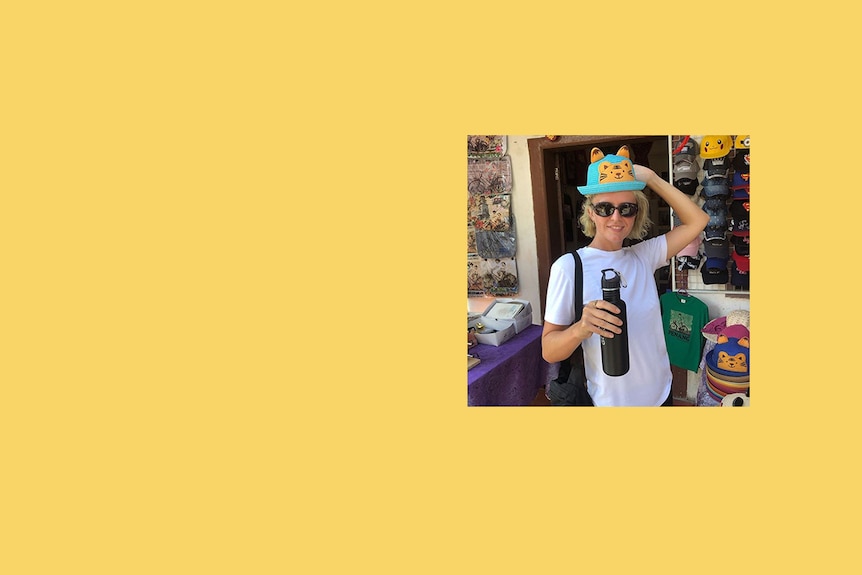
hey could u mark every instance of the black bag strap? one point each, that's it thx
(576, 360)
(579, 297)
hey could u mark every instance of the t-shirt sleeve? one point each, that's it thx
(560, 304)
(653, 252)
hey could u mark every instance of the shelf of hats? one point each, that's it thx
(715, 172)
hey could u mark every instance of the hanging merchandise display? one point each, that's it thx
(723, 187)
(489, 182)
(683, 316)
(491, 244)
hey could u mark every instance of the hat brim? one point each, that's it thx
(630, 186)
(711, 330)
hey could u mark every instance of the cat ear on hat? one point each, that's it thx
(625, 152)
(596, 155)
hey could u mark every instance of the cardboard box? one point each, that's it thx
(505, 330)
(517, 311)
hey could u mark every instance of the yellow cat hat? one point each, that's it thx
(612, 173)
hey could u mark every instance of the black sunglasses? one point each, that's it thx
(626, 209)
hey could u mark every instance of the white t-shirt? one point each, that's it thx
(648, 381)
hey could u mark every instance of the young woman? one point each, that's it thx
(616, 209)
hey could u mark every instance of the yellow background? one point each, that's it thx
(232, 304)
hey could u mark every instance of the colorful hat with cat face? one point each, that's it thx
(730, 356)
(611, 173)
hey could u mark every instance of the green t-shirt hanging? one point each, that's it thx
(683, 317)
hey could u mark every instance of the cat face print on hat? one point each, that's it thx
(611, 173)
(715, 146)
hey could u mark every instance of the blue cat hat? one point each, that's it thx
(612, 173)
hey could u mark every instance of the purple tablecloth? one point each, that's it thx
(510, 374)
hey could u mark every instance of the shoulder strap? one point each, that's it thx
(579, 299)
(579, 286)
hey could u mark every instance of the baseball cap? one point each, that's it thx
(740, 278)
(741, 142)
(717, 210)
(611, 173)
(714, 233)
(692, 248)
(742, 262)
(714, 271)
(741, 244)
(739, 210)
(717, 168)
(686, 185)
(684, 263)
(685, 167)
(716, 247)
(690, 148)
(715, 187)
(742, 161)
(715, 146)
(741, 180)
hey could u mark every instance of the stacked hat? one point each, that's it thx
(716, 248)
(741, 186)
(728, 363)
(733, 322)
(688, 257)
(714, 271)
(741, 244)
(740, 209)
(712, 147)
(742, 154)
(739, 273)
(717, 167)
(685, 167)
(741, 168)
(716, 207)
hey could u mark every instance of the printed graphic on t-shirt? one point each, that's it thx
(681, 325)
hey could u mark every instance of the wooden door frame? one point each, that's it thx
(542, 176)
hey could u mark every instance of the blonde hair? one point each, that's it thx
(639, 229)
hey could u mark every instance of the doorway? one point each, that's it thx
(558, 167)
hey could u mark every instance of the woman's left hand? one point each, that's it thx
(642, 173)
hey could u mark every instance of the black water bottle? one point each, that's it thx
(615, 350)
